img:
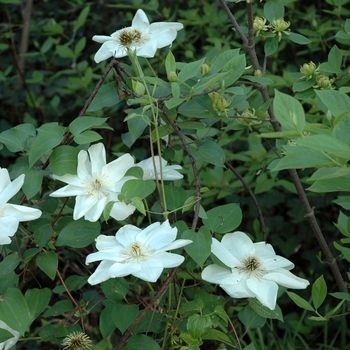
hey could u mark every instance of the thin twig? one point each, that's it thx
(309, 213)
(252, 195)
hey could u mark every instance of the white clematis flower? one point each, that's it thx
(132, 251)
(168, 171)
(9, 343)
(96, 184)
(11, 214)
(142, 37)
(255, 269)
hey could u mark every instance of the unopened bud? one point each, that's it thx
(204, 69)
(258, 73)
(138, 88)
(172, 77)
(324, 82)
(308, 69)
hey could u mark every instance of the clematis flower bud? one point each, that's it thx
(172, 77)
(324, 82)
(308, 70)
(204, 69)
(259, 25)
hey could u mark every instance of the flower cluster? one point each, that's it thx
(141, 253)
(141, 38)
(12, 214)
(253, 269)
(98, 183)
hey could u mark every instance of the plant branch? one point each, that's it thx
(309, 213)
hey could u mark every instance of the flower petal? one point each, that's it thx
(265, 291)
(105, 242)
(238, 244)
(101, 38)
(20, 212)
(121, 210)
(170, 260)
(216, 274)
(11, 188)
(140, 20)
(8, 227)
(101, 274)
(97, 154)
(286, 279)
(117, 168)
(224, 255)
(121, 270)
(150, 270)
(127, 235)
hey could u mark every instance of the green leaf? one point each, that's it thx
(289, 112)
(210, 152)
(43, 234)
(319, 292)
(9, 264)
(298, 157)
(37, 301)
(5, 335)
(341, 295)
(59, 308)
(250, 318)
(193, 305)
(271, 45)
(341, 129)
(335, 101)
(143, 342)
(300, 301)
(334, 62)
(79, 47)
(138, 188)
(32, 182)
(78, 125)
(78, 234)
(173, 102)
(199, 249)
(106, 317)
(325, 143)
(107, 96)
(14, 310)
(49, 136)
(18, 138)
(215, 334)
(265, 311)
(170, 64)
(219, 62)
(274, 9)
(81, 18)
(223, 218)
(298, 38)
(64, 160)
(48, 263)
(88, 136)
(175, 197)
(136, 127)
(64, 51)
(197, 325)
(129, 312)
(190, 70)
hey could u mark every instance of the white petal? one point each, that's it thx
(89, 207)
(238, 244)
(164, 37)
(276, 262)
(127, 235)
(158, 235)
(216, 274)
(286, 279)
(147, 50)
(8, 227)
(150, 270)
(161, 26)
(101, 274)
(84, 165)
(120, 210)
(176, 244)
(222, 253)
(140, 21)
(20, 212)
(121, 270)
(11, 189)
(103, 53)
(170, 260)
(97, 154)
(106, 242)
(4, 179)
(117, 169)
(101, 38)
(265, 291)
(70, 179)
(107, 254)
(69, 191)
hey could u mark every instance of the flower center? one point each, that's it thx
(98, 186)
(135, 253)
(131, 37)
(252, 267)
